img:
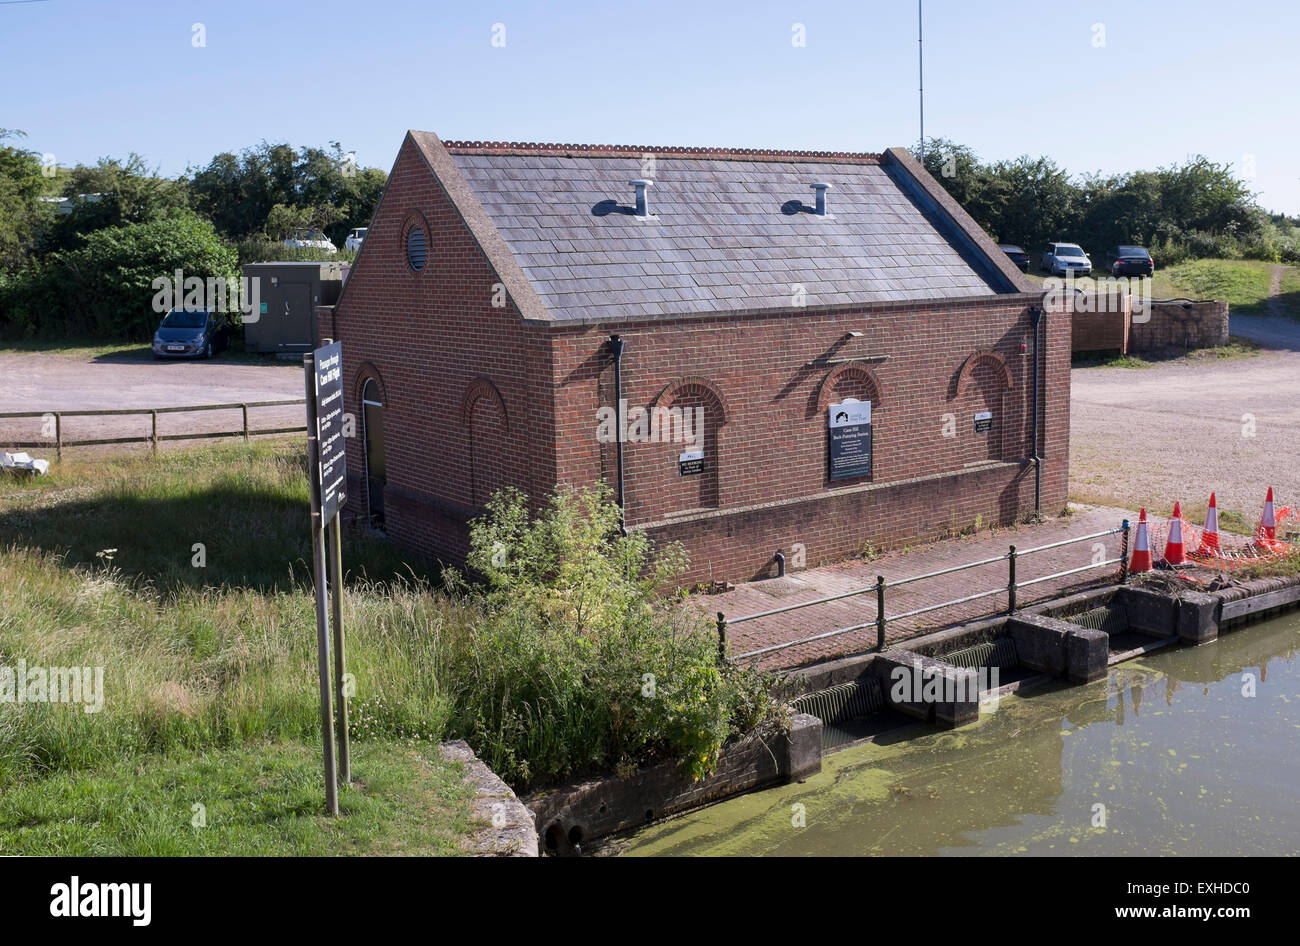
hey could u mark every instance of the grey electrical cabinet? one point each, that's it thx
(284, 319)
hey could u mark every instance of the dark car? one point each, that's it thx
(1130, 261)
(190, 335)
(1016, 255)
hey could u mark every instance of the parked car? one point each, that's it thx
(190, 334)
(1016, 255)
(1130, 261)
(1061, 258)
(355, 238)
(310, 239)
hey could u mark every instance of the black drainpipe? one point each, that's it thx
(1036, 314)
(616, 344)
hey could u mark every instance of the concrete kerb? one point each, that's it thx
(507, 829)
(568, 817)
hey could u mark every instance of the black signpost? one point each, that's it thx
(327, 475)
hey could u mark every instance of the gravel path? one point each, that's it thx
(1274, 290)
(1177, 431)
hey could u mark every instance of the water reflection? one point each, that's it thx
(1186, 751)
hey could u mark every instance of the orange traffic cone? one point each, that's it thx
(1268, 522)
(1141, 547)
(1210, 536)
(1174, 551)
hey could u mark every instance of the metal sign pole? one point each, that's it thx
(318, 555)
(335, 546)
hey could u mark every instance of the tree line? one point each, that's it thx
(1195, 209)
(85, 269)
(89, 271)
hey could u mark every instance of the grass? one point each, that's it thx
(1109, 360)
(185, 579)
(206, 669)
(247, 505)
(1286, 567)
(258, 799)
(1243, 284)
(85, 348)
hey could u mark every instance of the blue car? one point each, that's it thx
(190, 335)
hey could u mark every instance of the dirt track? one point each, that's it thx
(50, 382)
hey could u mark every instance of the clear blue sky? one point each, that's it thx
(88, 78)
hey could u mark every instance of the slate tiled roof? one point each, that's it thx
(727, 234)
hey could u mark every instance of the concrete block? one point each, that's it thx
(800, 753)
(1086, 654)
(928, 689)
(1198, 617)
(1150, 612)
(1040, 642)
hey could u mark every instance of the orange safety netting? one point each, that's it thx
(1234, 551)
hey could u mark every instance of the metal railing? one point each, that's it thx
(882, 619)
(153, 437)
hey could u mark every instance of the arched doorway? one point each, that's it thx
(372, 431)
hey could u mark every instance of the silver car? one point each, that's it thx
(1061, 258)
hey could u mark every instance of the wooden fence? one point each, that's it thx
(154, 437)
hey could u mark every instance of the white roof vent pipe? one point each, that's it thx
(642, 204)
(820, 206)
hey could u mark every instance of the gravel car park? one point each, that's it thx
(40, 381)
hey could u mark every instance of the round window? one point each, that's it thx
(417, 250)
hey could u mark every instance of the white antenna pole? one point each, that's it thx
(920, 69)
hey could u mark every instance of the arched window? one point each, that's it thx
(982, 383)
(855, 381)
(685, 421)
(489, 431)
(372, 432)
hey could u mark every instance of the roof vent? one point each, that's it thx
(642, 206)
(821, 190)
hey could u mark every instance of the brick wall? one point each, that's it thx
(476, 398)
(460, 377)
(1180, 325)
(927, 370)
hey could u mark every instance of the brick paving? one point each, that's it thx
(806, 585)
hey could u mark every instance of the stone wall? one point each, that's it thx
(1180, 325)
(1169, 325)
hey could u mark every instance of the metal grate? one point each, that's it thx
(844, 702)
(999, 653)
(417, 251)
(1109, 618)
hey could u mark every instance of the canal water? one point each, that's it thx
(1192, 750)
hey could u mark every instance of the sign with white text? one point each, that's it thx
(849, 423)
(331, 467)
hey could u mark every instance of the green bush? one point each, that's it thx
(104, 288)
(582, 659)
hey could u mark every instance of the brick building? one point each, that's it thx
(507, 297)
